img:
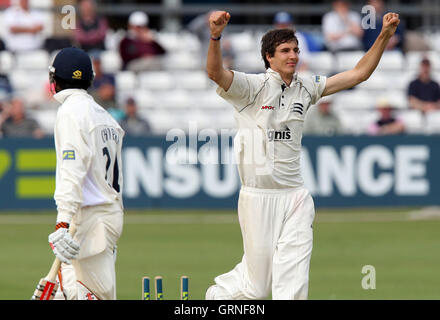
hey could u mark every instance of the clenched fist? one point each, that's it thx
(390, 22)
(217, 22)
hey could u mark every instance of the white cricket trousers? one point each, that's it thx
(92, 275)
(276, 226)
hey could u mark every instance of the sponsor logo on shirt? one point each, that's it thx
(284, 135)
(267, 108)
(69, 155)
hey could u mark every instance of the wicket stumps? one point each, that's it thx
(158, 285)
(146, 288)
(184, 288)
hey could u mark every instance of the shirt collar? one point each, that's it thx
(277, 77)
(64, 94)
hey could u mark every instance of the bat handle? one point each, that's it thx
(52, 275)
(56, 265)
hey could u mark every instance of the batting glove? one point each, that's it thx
(63, 245)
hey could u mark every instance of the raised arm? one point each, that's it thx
(365, 67)
(214, 62)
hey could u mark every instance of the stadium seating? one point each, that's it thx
(377, 81)
(7, 61)
(185, 60)
(157, 80)
(35, 60)
(191, 80)
(145, 98)
(433, 123)
(347, 60)
(45, 118)
(353, 99)
(243, 41)
(178, 99)
(391, 61)
(111, 61)
(356, 121)
(249, 61)
(165, 97)
(413, 120)
(126, 80)
(413, 59)
(322, 62)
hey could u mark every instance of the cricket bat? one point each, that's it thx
(48, 286)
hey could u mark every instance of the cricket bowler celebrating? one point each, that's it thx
(88, 191)
(275, 211)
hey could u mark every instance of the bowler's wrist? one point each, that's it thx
(386, 34)
(216, 36)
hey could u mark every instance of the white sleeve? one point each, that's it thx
(240, 92)
(318, 86)
(73, 161)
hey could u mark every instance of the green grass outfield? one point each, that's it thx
(402, 245)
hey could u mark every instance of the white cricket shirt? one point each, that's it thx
(88, 143)
(270, 116)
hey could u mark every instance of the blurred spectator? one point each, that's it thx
(424, 92)
(138, 49)
(284, 20)
(103, 89)
(321, 121)
(23, 27)
(370, 34)
(17, 124)
(199, 26)
(342, 28)
(5, 87)
(387, 123)
(3, 115)
(132, 124)
(91, 28)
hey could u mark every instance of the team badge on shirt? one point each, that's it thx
(69, 155)
(317, 79)
(297, 107)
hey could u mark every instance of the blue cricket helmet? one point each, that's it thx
(72, 65)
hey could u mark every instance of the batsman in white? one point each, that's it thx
(88, 192)
(275, 211)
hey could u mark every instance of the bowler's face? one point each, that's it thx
(285, 58)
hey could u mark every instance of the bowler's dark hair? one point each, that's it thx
(74, 84)
(272, 39)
